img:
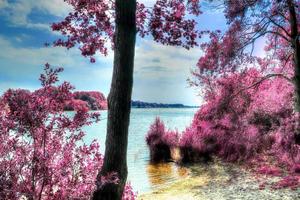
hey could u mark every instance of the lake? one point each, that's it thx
(143, 176)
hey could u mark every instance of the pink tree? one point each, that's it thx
(42, 153)
(250, 20)
(94, 26)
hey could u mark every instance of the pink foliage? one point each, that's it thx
(160, 141)
(288, 181)
(95, 100)
(91, 99)
(91, 24)
(246, 115)
(248, 109)
(269, 170)
(248, 21)
(128, 193)
(42, 154)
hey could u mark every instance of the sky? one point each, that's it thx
(160, 71)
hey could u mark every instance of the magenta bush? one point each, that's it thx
(242, 119)
(42, 153)
(292, 182)
(197, 146)
(160, 141)
(269, 170)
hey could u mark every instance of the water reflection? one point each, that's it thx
(161, 174)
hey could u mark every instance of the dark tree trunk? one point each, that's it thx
(119, 100)
(296, 48)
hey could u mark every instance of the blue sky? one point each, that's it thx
(160, 71)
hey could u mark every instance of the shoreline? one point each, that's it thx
(220, 181)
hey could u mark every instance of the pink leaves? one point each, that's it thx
(41, 151)
(158, 134)
(270, 170)
(180, 10)
(160, 141)
(40, 143)
(91, 24)
(292, 182)
(168, 24)
(128, 193)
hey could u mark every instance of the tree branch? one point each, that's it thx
(260, 81)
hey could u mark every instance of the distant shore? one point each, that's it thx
(142, 104)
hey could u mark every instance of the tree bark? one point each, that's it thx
(119, 102)
(296, 48)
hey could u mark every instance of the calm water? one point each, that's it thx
(143, 176)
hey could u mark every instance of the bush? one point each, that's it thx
(160, 141)
(42, 154)
(244, 117)
(197, 146)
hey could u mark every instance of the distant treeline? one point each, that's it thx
(97, 101)
(141, 104)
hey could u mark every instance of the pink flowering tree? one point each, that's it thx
(247, 116)
(42, 152)
(229, 54)
(278, 22)
(96, 26)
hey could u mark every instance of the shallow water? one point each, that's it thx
(143, 176)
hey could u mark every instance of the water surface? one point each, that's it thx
(143, 176)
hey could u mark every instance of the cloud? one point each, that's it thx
(161, 72)
(173, 60)
(3, 3)
(20, 67)
(17, 12)
(154, 69)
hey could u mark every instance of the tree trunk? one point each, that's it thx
(296, 48)
(119, 102)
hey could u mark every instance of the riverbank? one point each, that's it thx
(220, 181)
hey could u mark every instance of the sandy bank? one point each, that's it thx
(220, 181)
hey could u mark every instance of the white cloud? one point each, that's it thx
(3, 3)
(21, 67)
(160, 71)
(17, 12)
(159, 62)
(54, 7)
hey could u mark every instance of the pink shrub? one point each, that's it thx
(128, 193)
(42, 155)
(287, 182)
(270, 170)
(160, 141)
(248, 116)
(238, 122)
(197, 145)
